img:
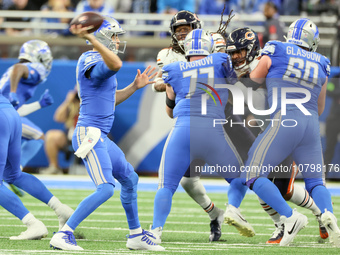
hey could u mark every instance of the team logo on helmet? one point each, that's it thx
(249, 35)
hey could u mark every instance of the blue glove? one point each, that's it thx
(46, 99)
(13, 98)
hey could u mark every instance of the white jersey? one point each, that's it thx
(167, 56)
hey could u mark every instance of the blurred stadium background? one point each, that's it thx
(141, 125)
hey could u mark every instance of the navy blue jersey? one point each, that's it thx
(97, 92)
(294, 67)
(26, 87)
(191, 80)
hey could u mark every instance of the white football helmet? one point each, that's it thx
(303, 32)
(198, 43)
(37, 51)
(219, 42)
(105, 32)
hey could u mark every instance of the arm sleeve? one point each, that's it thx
(101, 71)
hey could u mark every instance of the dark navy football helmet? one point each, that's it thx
(244, 38)
(183, 18)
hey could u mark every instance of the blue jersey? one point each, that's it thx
(26, 87)
(294, 67)
(97, 92)
(191, 80)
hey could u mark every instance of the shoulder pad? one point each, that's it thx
(269, 48)
(161, 56)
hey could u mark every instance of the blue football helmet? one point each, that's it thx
(198, 43)
(37, 51)
(304, 33)
(243, 38)
(104, 33)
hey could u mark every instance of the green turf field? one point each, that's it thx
(186, 231)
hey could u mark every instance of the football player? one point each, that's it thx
(181, 24)
(19, 83)
(35, 60)
(244, 49)
(193, 130)
(104, 160)
(278, 63)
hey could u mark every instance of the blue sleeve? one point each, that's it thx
(327, 66)
(33, 77)
(101, 71)
(270, 48)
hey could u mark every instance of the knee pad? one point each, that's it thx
(189, 182)
(106, 190)
(129, 188)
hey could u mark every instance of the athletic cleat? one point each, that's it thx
(292, 226)
(35, 231)
(277, 235)
(142, 241)
(216, 226)
(330, 223)
(156, 234)
(16, 190)
(233, 217)
(64, 240)
(322, 228)
(63, 212)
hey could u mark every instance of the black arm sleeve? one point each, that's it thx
(170, 103)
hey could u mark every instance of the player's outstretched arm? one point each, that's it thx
(322, 98)
(141, 80)
(112, 61)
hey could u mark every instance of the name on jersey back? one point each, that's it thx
(201, 62)
(303, 53)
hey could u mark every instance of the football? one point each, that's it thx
(88, 19)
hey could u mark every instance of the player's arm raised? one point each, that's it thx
(141, 80)
(112, 61)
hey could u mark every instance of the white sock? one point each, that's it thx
(28, 217)
(54, 203)
(274, 215)
(67, 228)
(136, 231)
(302, 198)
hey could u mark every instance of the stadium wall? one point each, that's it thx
(141, 124)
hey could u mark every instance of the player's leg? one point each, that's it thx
(33, 140)
(269, 149)
(10, 141)
(175, 161)
(194, 187)
(308, 156)
(99, 168)
(123, 171)
(227, 160)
